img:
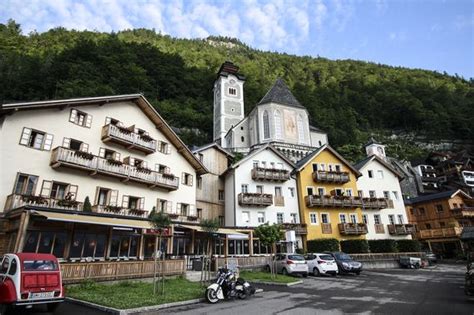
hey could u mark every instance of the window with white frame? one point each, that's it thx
(342, 218)
(261, 217)
(353, 218)
(80, 118)
(400, 219)
(164, 147)
(25, 184)
(321, 191)
(164, 206)
(245, 217)
(187, 179)
(395, 195)
(221, 195)
(310, 191)
(365, 218)
(380, 174)
(349, 192)
(255, 164)
(322, 166)
(266, 125)
(377, 219)
(280, 218)
(244, 188)
(313, 218)
(294, 218)
(36, 139)
(391, 219)
(278, 191)
(292, 191)
(324, 218)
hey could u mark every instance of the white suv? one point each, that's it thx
(290, 264)
(321, 264)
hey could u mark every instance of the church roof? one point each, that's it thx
(315, 129)
(280, 93)
(372, 141)
(230, 68)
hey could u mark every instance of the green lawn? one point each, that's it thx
(130, 294)
(265, 276)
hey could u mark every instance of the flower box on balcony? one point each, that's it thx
(173, 215)
(192, 218)
(114, 162)
(144, 169)
(169, 175)
(137, 211)
(146, 138)
(115, 209)
(35, 199)
(124, 129)
(84, 155)
(68, 203)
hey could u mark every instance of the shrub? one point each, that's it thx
(406, 246)
(323, 245)
(383, 246)
(355, 246)
(87, 207)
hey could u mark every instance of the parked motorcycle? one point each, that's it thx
(228, 286)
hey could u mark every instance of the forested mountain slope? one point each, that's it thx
(349, 99)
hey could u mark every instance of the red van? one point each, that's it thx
(27, 279)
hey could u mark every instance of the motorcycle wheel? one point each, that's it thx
(242, 295)
(211, 296)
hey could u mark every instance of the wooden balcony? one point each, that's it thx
(333, 201)
(379, 228)
(400, 229)
(463, 212)
(331, 177)
(183, 215)
(300, 229)
(376, 203)
(255, 199)
(352, 228)
(117, 210)
(270, 174)
(64, 157)
(17, 201)
(440, 233)
(326, 228)
(128, 138)
(279, 201)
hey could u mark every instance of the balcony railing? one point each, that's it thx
(331, 177)
(352, 228)
(326, 228)
(463, 212)
(379, 228)
(300, 229)
(255, 199)
(94, 164)
(128, 138)
(439, 233)
(117, 210)
(189, 214)
(400, 229)
(270, 174)
(333, 201)
(377, 203)
(16, 201)
(279, 201)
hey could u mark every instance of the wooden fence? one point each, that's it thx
(116, 270)
(249, 262)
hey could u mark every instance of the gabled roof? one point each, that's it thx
(359, 165)
(213, 145)
(255, 152)
(230, 68)
(280, 93)
(372, 141)
(302, 163)
(138, 99)
(442, 195)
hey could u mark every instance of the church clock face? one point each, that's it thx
(232, 81)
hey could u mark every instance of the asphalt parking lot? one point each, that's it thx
(393, 291)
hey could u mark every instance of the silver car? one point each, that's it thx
(290, 264)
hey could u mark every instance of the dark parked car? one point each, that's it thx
(346, 264)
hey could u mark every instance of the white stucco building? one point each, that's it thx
(384, 212)
(116, 151)
(259, 189)
(278, 119)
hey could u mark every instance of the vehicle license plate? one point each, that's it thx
(42, 295)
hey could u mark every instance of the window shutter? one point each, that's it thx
(116, 156)
(125, 201)
(72, 189)
(141, 204)
(168, 148)
(108, 120)
(192, 209)
(145, 164)
(167, 170)
(157, 167)
(48, 142)
(66, 142)
(191, 179)
(169, 206)
(131, 161)
(102, 152)
(113, 198)
(72, 117)
(46, 188)
(25, 136)
(96, 200)
(183, 178)
(88, 121)
(84, 147)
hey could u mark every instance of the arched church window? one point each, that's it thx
(266, 125)
(299, 124)
(278, 133)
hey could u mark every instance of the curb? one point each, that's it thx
(278, 284)
(138, 309)
(133, 310)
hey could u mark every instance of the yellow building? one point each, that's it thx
(329, 202)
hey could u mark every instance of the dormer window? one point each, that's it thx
(232, 91)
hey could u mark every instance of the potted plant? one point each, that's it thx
(84, 155)
(114, 162)
(111, 208)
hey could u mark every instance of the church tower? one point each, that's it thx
(375, 148)
(228, 100)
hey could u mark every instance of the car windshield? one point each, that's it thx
(296, 257)
(343, 256)
(326, 257)
(39, 265)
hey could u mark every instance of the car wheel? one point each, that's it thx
(284, 272)
(305, 275)
(3, 309)
(316, 272)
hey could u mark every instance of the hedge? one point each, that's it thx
(355, 246)
(322, 245)
(383, 246)
(406, 246)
